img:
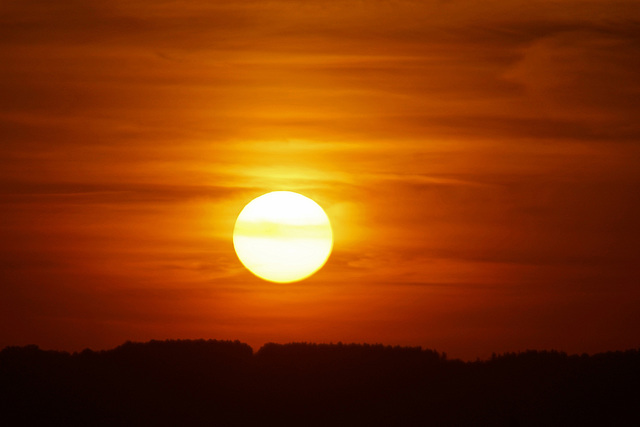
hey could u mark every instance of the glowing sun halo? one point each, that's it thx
(283, 237)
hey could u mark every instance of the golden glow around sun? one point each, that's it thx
(283, 237)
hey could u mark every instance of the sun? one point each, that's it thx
(283, 237)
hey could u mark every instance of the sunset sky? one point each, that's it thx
(479, 163)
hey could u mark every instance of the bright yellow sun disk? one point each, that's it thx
(283, 237)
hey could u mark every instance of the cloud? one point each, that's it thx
(587, 74)
(488, 144)
(87, 193)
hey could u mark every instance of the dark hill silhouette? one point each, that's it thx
(224, 383)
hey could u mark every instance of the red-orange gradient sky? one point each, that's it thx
(479, 161)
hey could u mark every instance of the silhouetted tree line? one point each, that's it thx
(223, 383)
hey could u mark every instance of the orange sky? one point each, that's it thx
(479, 161)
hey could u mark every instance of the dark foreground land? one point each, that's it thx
(222, 383)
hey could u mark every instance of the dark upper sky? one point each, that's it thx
(479, 161)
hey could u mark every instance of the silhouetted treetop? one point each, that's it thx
(183, 350)
(345, 351)
(209, 382)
